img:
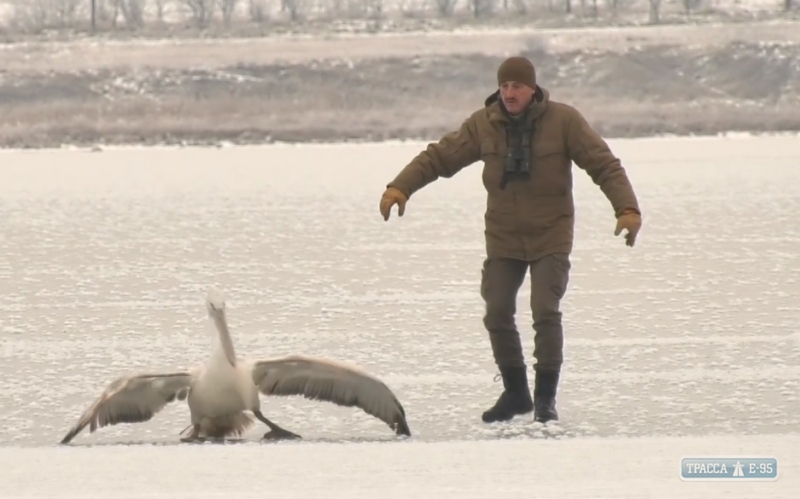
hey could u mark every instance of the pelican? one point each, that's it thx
(221, 391)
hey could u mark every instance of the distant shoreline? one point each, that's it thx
(680, 81)
(103, 147)
(141, 129)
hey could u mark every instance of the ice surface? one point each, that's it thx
(107, 257)
(585, 468)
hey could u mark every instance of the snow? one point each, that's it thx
(107, 258)
(597, 468)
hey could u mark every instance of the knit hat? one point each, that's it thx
(518, 69)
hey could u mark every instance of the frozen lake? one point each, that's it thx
(687, 344)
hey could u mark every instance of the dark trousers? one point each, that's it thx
(501, 281)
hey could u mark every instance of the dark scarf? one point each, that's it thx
(519, 132)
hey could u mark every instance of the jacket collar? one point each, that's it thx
(498, 113)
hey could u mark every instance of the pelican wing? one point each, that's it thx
(323, 379)
(132, 399)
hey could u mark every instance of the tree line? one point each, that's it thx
(38, 15)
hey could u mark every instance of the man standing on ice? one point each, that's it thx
(527, 143)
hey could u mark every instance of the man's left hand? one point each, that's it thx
(632, 221)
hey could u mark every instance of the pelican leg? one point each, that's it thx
(194, 435)
(276, 432)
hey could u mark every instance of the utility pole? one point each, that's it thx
(94, 13)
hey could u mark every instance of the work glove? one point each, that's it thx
(392, 196)
(632, 221)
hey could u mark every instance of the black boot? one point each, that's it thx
(544, 395)
(515, 399)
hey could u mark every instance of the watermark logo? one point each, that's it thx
(729, 469)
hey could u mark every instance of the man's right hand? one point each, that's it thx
(629, 219)
(392, 196)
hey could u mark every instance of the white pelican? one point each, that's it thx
(219, 392)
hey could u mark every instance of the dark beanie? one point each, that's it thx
(518, 69)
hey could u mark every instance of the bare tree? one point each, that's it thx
(359, 8)
(257, 10)
(520, 6)
(405, 8)
(160, 7)
(103, 10)
(227, 8)
(132, 11)
(65, 11)
(375, 8)
(481, 8)
(40, 14)
(30, 15)
(202, 11)
(655, 11)
(690, 5)
(445, 8)
(295, 8)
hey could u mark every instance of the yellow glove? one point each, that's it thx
(632, 221)
(392, 196)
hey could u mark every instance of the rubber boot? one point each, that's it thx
(544, 396)
(515, 399)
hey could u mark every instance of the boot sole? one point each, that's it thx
(505, 418)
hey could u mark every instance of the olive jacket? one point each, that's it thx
(533, 217)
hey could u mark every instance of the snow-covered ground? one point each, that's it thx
(687, 344)
(591, 468)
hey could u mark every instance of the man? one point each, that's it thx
(527, 143)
